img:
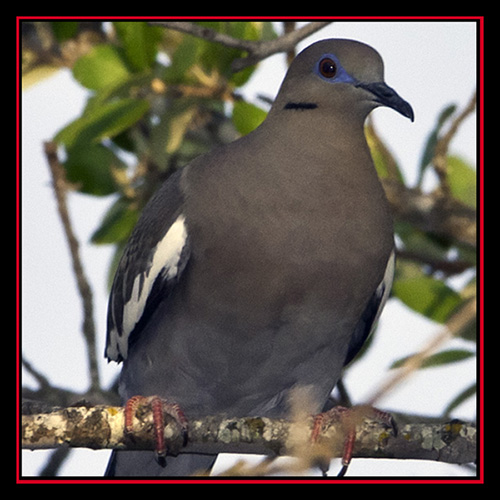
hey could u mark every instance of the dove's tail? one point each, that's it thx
(143, 463)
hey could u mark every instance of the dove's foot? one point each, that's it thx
(159, 408)
(349, 419)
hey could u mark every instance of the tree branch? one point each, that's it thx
(102, 427)
(439, 161)
(433, 212)
(257, 50)
(88, 328)
(458, 321)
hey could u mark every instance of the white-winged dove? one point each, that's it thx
(262, 266)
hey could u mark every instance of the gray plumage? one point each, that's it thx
(262, 266)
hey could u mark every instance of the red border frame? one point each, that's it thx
(480, 121)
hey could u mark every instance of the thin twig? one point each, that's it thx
(257, 50)
(433, 213)
(453, 327)
(207, 34)
(439, 160)
(42, 380)
(88, 327)
(449, 267)
(290, 27)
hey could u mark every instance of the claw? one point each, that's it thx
(159, 407)
(349, 418)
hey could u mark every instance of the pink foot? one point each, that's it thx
(348, 418)
(159, 407)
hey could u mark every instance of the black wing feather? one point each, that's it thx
(157, 218)
(372, 312)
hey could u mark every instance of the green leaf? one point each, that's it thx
(216, 56)
(461, 178)
(211, 56)
(107, 121)
(187, 53)
(101, 67)
(385, 163)
(421, 243)
(64, 30)
(135, 84)
(140, 42)
(252, 30)
(267, 31)
(468, 292)
(432, 139)
(169, 133)
(117, 224)
(90, 167)
(424, 294)
(439, 359)
(246, 116)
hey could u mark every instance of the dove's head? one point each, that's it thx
(340, 76)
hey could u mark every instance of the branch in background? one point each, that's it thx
(433, 212)
(455, 324)
(43, 53)
(439, 161)
(257, 50)
(102, 427)
(289, 27)
(88, 328)
(447, 267)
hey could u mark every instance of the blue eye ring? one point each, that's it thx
(327, 67)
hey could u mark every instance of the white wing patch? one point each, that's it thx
(164, 263)
(386, 285)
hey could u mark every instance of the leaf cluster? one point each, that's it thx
(157, 99)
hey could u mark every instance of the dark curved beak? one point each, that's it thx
(386, 96)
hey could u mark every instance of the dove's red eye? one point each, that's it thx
(328, 67)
